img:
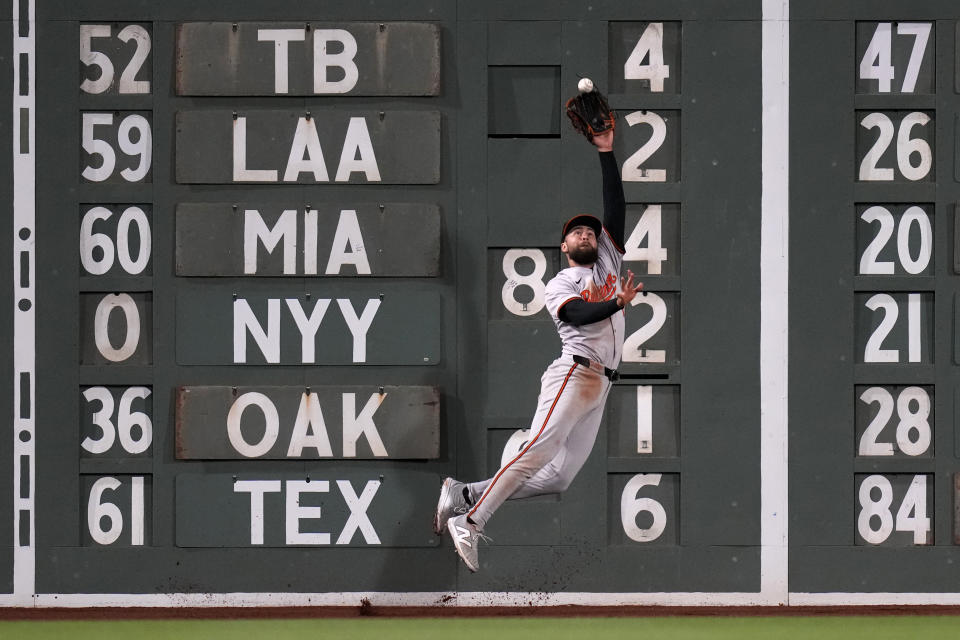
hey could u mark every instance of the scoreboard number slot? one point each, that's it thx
(912, 257)
(906, 147)
(117, 510)
(643, 421)
(134, 429)
(648, 509)
(533, 281)
(913, 431)
(116, 328)
(879, 495)
(650, 55)
(655, 239)
(657, 339)
(631, 505)
(103, 133)
(889, 337)
(877, 61)
(632, 170)
(649, 48)
(99, 251)
(100, 70)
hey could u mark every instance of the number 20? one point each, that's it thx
(869, 265)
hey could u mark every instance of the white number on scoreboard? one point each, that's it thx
(106, 240)
(118, 421)
(913, 247)
(895, 327)
(913, 155)
(99, 67)
(905, 409)
(103, 134)
(118, 509)
(891, 504)
(886, 58)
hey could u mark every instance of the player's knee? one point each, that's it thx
(534, 460)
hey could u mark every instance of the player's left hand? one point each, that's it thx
(603, 141)
(629, 289)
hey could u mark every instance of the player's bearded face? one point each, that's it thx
(585, 253)
(582, 246)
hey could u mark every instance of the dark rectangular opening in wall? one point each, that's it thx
(24, 528)
(24, 18)
(24, 74)
(24, 477)
(523, 101)
(24, 396)
(24, 269)
(24, 130)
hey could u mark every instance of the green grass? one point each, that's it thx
(681, 628)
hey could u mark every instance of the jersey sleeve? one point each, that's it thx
(559, 291)
(609, 253)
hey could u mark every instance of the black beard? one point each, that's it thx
(583, 256)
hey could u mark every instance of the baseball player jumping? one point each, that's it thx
(587, 302)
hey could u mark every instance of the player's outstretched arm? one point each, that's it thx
(614, 203)
(579, 312)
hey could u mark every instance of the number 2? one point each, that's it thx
(632, 171)
(632, 346)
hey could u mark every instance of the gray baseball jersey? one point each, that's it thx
(572, 394)
(599, 341)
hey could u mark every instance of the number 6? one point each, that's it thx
(631, 506)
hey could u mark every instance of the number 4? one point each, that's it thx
(650, 227)
(649, 47)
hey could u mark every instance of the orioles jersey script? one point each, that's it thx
(600, 341)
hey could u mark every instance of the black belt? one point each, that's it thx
(612, 374)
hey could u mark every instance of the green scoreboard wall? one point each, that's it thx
(275, 271)
(873, 319)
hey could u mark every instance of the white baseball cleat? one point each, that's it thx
(450, 504)
(466, 538)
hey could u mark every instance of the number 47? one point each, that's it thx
(876, 62)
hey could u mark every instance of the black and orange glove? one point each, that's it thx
(590, 113)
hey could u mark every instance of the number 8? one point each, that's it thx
(533, 280)
(879, 509)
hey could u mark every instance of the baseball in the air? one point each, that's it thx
(585, 85)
